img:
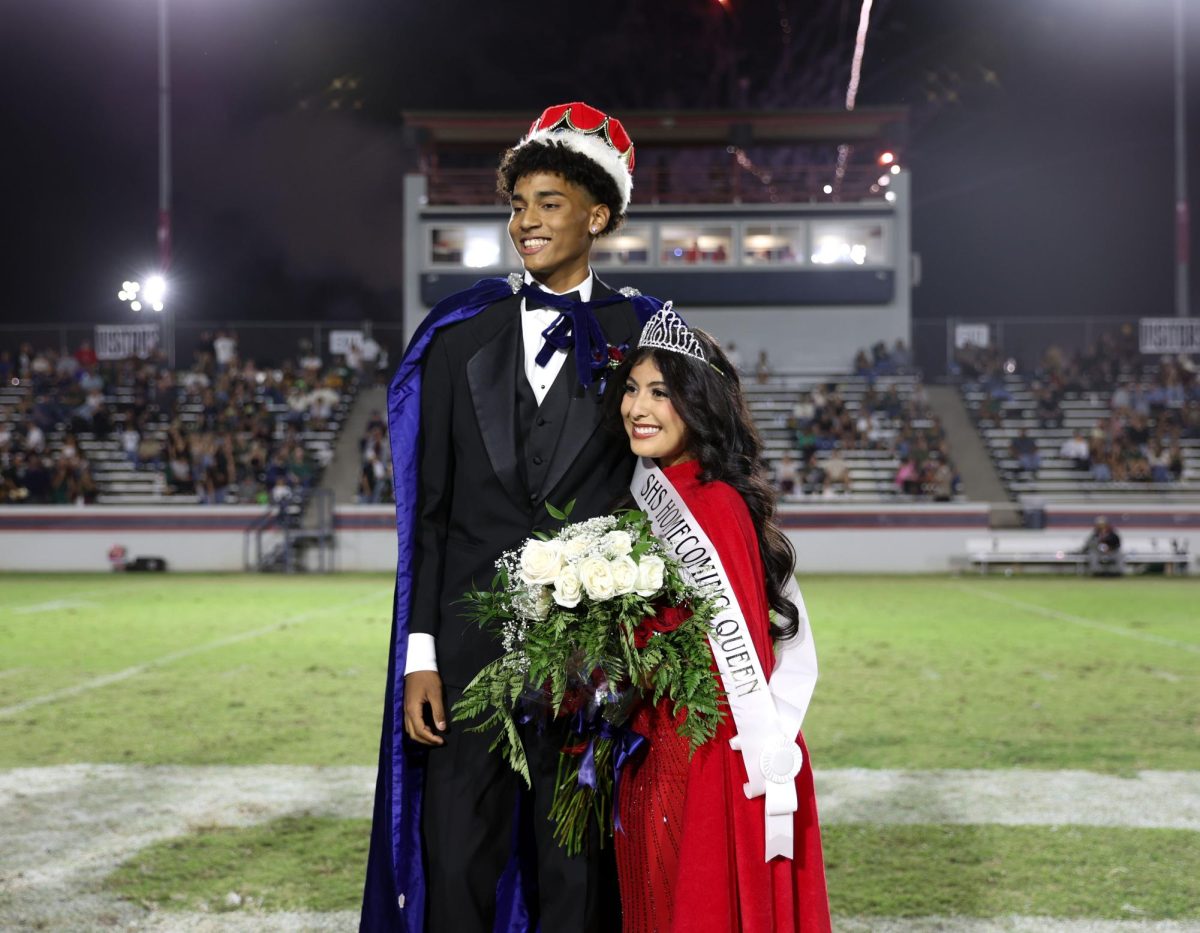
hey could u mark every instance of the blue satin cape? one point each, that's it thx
(394, 892)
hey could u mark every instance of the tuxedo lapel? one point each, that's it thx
(491, 375)
(584, 410)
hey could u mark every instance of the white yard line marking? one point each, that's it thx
(117, 676)
(81, 594)
(11, 671)
(1077, 620)
(54, 605)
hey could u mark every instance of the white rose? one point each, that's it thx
(575, 548)
(567, 588)
(624, 574)
(650, 570)
(540, 562)
(595, 574)
(616, 544)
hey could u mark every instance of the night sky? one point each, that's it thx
(1041, 142)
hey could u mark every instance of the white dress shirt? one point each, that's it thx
(422, 647)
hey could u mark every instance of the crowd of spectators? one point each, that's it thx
(1154, 404)
(66, 391)
(209, 431)
(900, 426)
(880, 361)
(375, 475)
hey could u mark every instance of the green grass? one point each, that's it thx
(308, 692)
(988, 871)
(916, 672)
(921, 672)
(307, 863)
(298, 863)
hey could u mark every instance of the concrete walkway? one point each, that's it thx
(343, 472)
(980, 481)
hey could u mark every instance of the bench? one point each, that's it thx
(1061, 553)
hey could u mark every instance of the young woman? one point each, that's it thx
(693, 854)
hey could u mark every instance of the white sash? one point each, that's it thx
(767, 716)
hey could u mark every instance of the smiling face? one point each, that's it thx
(551, 227)
(654, 427)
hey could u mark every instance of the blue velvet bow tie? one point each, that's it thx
(576, 326)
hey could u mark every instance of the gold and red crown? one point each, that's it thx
(592, 134)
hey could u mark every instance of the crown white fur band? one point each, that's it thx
(666, 331)
(591, 147)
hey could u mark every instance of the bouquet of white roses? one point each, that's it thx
(591, 619)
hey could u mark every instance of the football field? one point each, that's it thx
(197, 752)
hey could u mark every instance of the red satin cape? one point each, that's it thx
(690, 857)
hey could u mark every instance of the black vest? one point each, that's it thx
(539, 426)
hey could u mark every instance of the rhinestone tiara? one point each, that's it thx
(666, 331)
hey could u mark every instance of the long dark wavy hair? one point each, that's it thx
(721, 435)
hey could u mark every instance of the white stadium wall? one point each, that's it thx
(828, 538)
(70, 538)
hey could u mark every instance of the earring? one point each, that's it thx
(594, 229)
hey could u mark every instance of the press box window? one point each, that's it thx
(772, 244)
(476, 247)
(628, 247)
(696, 245)
(848, 243)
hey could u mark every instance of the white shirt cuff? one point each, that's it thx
(422, 653)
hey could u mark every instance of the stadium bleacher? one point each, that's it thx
(877, 423)
(239, 435)
(1124, 445)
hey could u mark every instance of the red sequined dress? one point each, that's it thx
(690, 857)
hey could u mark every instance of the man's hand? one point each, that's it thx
(420, 688)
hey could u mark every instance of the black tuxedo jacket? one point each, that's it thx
(474, 496)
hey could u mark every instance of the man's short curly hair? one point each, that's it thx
(558, 159)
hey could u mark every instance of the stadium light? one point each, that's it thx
(887, 158)
(153, 293)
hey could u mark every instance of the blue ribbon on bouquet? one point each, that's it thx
(627, 746)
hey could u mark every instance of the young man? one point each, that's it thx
(493, 414)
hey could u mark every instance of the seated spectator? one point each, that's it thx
(1103, 549)
(35, 477)
(225, 349)
(85, 356)
(1024, 449)
(1075, 449)
(786, 474)
(762, 369)
(837, 473)
(131, 439)
(941, 480)
(1046, 408)
(1160, 464)
(908, 478)
(1175, 460)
